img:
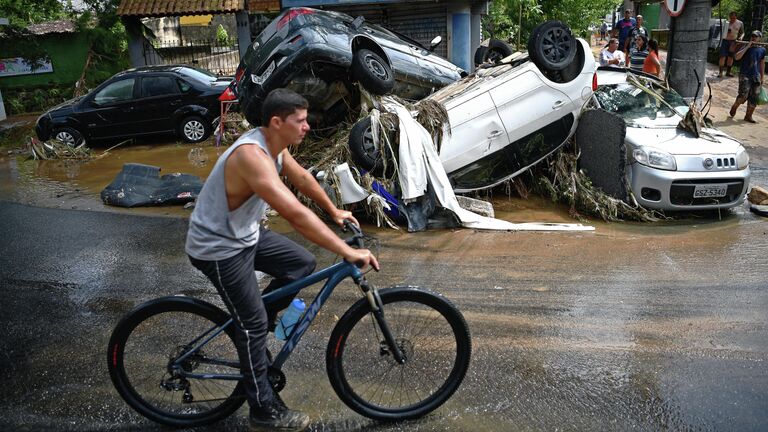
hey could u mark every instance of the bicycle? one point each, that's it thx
(173, 359)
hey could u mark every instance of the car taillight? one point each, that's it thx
(594, 81)
(291, 14)
(239, 74)
(227, 95)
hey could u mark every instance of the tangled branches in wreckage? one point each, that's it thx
(54, 149)
(559, 178)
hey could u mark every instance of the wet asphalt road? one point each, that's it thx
(632, 327)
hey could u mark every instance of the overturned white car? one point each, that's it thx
(506, 117)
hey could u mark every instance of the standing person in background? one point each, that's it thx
(611, 55)
(624, 31)
(638, 53)
(652, 65)
(603, 30)
(751, 75)
(639, 30)
(728, 46)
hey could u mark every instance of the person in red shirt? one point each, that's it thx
(652, 65)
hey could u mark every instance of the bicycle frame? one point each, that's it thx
(333, 276)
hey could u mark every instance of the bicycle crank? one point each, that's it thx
(276, 379)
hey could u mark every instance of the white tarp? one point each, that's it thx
(419, 164)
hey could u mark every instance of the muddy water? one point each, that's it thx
(76, 184)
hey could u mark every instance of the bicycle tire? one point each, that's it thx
(363, 374)
(141, 347)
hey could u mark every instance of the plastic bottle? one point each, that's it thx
(289, 319)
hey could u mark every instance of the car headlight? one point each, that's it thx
(742, 158)
(654, 158)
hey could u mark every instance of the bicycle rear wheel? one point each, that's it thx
(429, 330)
(150, 338)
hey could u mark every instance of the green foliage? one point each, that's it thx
(222, 38)
(21, 13)
(19, 101)
(512, 19)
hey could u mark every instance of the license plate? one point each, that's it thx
(260, 79)
(710, 191)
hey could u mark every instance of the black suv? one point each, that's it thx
(150, 100)
(319, 54)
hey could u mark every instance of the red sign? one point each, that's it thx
(674, 7)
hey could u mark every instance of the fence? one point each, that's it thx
(218, 56)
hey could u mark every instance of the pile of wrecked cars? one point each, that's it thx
(502, 119)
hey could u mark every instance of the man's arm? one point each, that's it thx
(258, 171)
(740, 53)
(306, 184)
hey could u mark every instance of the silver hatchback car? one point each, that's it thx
(668, 168)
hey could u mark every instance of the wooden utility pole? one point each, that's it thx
(687, 56)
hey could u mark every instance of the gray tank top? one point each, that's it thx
(215, 233)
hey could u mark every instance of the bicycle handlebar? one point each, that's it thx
(357, 235)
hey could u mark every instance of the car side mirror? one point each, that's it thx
(358, 22)
(435, 42)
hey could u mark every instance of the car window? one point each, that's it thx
(184, 86)
(198, 74)
(633, 103)
(116, 92)
(158, 86)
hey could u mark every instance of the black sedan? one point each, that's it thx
(150, 100)
(319, 54)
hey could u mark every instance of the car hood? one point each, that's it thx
(679, 142)
(65, 107)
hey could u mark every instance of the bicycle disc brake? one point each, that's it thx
(276, 379)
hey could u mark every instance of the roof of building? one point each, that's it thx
(59, 26)
(150, 8)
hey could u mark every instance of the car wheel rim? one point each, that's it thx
(369, 146)
(66, 138)
(376, 68)
(194, 130)
(494, 56)
(556, 45)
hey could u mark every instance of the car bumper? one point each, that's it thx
(43, 127)
(673, 190)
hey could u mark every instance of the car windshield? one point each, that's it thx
(633, 104)
(198, 74)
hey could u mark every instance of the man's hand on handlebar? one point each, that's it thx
(362, 258)
(339, 216)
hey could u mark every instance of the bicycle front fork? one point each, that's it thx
(378, 313)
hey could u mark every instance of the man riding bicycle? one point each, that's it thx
(227, 243)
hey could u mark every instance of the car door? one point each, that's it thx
(159, 99)
(402, 56)
(537, 118)
(110, 111)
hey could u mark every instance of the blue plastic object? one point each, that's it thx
(289, 319)
(393, 212)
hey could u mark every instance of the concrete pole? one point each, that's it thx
(243, 31)
(688, 49)
(477, 10)
(459, 29)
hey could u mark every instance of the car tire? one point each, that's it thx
(194, 129)
(365, 153)
(551, 46)
(67, 135)
(572, 71)
(495, 51)
(372, 72)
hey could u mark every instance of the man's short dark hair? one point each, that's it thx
(281, 103)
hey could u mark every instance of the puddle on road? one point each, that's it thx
(77, 185)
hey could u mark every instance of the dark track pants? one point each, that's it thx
(235, 280)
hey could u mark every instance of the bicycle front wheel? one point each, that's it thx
(142, 363)
(431, 333)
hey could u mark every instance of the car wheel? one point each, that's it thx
(373, 72)
(551, 46)
(194, 129)
(366, 153)
(494, 52)
(68, 136)
(571, 71)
